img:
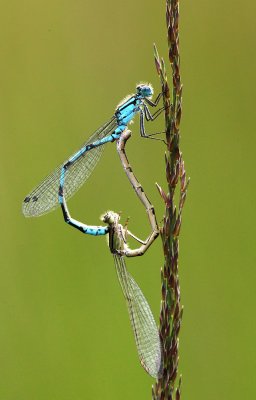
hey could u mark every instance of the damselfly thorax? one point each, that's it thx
(117, 240)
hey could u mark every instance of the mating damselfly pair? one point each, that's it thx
(69, 176)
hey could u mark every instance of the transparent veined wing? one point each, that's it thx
(44, 197)
(143, 324)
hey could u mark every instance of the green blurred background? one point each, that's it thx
(64, 329)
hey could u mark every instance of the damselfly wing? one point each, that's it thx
(44, 198)
(143, 324)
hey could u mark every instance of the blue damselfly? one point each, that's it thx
(77, 168)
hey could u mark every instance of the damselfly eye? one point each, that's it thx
(144, 90)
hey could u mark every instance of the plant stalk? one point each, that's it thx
(168, 387)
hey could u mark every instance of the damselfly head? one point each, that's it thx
(145, 90)
(110, 217)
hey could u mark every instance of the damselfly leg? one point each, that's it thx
(146, 114)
